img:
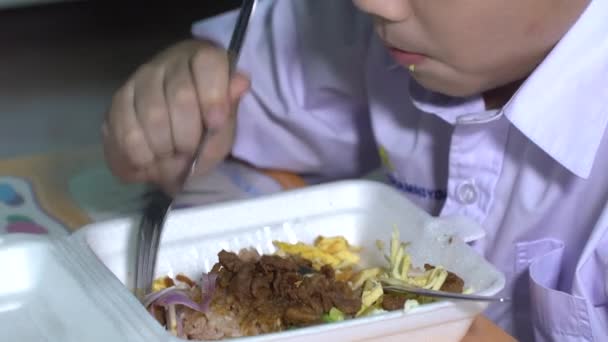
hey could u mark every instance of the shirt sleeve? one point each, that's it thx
(307, 110)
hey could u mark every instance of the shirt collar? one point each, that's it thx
(563, 106)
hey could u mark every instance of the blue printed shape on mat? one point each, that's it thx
(9, 196)
(20, 211)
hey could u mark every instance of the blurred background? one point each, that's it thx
(60, 62)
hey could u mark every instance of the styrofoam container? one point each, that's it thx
(84, 301)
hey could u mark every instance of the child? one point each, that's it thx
(492, 109)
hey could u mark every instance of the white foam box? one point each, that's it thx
(79, 288)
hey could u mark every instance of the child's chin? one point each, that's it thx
(447, 87)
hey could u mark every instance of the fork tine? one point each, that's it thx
(150, 230)
(152, 252)
(143, 248)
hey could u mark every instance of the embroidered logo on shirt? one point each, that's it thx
(420, 191)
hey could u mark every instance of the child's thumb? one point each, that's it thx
(239, 85)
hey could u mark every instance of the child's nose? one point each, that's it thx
(391, 10)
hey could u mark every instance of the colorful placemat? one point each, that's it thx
(42, 183)
(20, 211)
(60, 192)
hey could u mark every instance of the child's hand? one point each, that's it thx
(155, 121)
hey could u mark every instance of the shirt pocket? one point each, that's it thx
(554, 315)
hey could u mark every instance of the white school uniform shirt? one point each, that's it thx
(328, 102)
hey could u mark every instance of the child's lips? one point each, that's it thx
(406, 58)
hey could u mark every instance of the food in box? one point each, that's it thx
(246, 294)
(97, 264)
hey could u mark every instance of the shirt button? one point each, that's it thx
(467, 193)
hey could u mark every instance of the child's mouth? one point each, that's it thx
(406, 58)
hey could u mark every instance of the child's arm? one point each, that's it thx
(307, 110)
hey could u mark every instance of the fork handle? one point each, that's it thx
(447, 295)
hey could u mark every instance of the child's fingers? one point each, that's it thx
(239, 85)
(184, 111)
(221, 134)
(156, 120)
(210, 73)
(170, 172)
(151, 109)
(125, 131)
(116, 161)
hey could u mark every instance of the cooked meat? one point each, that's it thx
(240, 284)
(159, 314)
(453, 283)
(249, 254)
(328, 272)
(230, 261)
(269, 294)
(392, 302)
(345, 300)
(261, 287)
(300, 315)
(271, 263)
(182, 278)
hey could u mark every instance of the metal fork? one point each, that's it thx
(396, 286)
(148, 238)
(159, 205)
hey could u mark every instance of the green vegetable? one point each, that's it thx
(334, 315)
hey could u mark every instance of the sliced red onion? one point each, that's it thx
(179, 298)
(152, 297)
(172, 296)
(207, 288)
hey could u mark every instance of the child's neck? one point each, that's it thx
(498, 97)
